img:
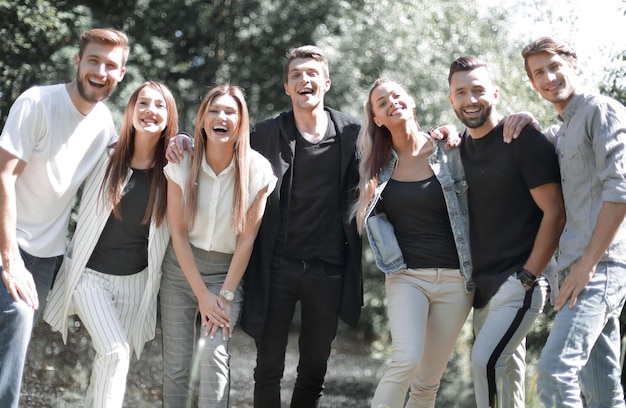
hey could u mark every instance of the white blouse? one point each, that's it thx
(212, 229)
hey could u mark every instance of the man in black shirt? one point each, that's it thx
(516, 217)
(306, 250)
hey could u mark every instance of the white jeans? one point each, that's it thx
(107, 305)
(499, 352)
(427, 309)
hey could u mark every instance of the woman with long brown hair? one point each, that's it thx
(111, 274)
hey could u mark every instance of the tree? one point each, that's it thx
(614, 84)
(36, 41)
(190, 45)
(412, 42)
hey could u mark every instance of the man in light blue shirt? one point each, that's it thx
(582, 353)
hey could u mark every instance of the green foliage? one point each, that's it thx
(191, 45)
(35, 43)
(373, 323)
(614, 83)
(412, 42)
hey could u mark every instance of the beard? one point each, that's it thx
(90, 95)
(475, 123)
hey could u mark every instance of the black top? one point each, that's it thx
(275, 140)
(310, 226)
(417, 210)
(122, 248)
(504, 218)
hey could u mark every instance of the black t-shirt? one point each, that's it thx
(504, 218)
(122, 248)
(311, 226)
(417, 210)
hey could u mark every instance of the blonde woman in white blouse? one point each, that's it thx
(216, 200)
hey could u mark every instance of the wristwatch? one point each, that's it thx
(227, 294)
(526, 277)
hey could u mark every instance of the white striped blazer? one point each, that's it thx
(92, 217)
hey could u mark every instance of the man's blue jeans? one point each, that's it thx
(582, 352)
(16, 323)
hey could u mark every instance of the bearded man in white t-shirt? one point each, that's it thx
(52, 139)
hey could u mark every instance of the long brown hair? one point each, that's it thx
(241, 149)
(122, 156)
(374, 146)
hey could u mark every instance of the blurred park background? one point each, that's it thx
(190, 45)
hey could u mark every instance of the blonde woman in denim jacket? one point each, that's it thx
(413, 206)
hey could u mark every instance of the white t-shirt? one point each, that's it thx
(212, 229)
(60, 146)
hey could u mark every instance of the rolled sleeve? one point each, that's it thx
(609, 129)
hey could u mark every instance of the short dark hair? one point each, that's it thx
(463, 64)
(107, 36)
(551, 46)
(306, 51)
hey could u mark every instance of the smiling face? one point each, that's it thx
(553, 77)
(391, 105)
(306, 83)
(98, 71)
(473, 97)
(150, 112)
(221, 120)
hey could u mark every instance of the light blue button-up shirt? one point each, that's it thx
(591, 145)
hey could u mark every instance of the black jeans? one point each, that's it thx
(318, 287)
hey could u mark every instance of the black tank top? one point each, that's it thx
(122, 248)
(417, 211)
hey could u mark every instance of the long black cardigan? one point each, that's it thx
(272, 139)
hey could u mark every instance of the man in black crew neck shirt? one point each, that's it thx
(306, 250)
(516, 218)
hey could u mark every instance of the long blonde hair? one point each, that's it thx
(241, 149)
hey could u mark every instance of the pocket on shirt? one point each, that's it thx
(574, 160)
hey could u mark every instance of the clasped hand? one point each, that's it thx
(215, 312)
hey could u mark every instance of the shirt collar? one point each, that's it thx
(572, 106)
(208, 170)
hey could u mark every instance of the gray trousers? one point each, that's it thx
(190, 357)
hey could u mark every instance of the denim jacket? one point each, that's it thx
(448, 169)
